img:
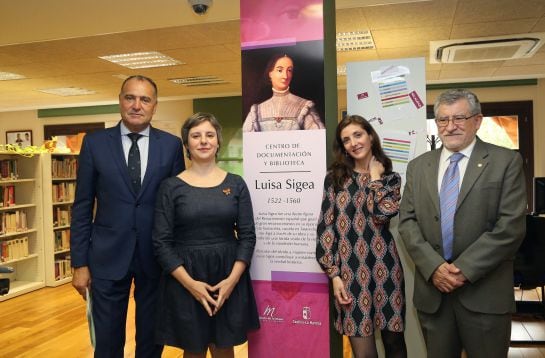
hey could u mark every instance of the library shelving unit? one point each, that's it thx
(21, 222)
(59, 176)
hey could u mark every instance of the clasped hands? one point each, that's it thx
(210, 297)
(447, 277)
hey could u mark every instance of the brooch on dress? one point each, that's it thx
(227, 191)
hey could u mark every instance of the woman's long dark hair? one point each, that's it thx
(343, 164)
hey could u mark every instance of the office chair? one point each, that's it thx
(529, 266)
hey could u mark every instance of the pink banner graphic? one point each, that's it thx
(268, 23)
(291, 313)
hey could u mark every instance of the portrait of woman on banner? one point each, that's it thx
(283, 110)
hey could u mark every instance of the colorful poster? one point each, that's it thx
(390, 94)
(284, 155)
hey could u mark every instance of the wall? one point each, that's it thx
(169, 116)
(505, 94)
(24, 120)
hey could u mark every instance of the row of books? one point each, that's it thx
(13, 249)
(9, 169)
(63, 192)
(62, 216)
(62, 240)
(65, 167)
(12, 222)
(7, 195)
(62, 268)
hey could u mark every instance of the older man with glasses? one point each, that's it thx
(462, 218)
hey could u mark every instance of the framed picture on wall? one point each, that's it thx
(22, 138)
(342, 114)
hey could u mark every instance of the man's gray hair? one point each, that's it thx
(454, 95)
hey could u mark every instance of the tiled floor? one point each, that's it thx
(528, 328)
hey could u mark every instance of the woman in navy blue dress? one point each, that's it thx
(204, 239)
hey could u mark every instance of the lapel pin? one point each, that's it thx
(227, 191)
(479, 165)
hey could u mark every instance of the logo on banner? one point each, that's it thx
(306, 315)
(270, 316)
(269, 311)
(306, 312)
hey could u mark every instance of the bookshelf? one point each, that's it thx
(59, 176)
(21, 222)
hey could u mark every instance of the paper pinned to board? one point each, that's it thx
(90, 317)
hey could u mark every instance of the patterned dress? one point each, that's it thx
(354, 242)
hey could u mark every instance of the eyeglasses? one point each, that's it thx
(457, 120)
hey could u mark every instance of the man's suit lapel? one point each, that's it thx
(116, 150)
(431, 180)
(475, 167)
(154, 154)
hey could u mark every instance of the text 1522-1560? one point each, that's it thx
(278, 200)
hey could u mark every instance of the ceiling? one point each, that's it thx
(57, 43)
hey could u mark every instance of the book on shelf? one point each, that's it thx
(7, 195)
(62, 240)
(63, 268)
(13, 222)
(14, 249)
(64, 167)
(63, 192)
(9, 169)
(62, 216)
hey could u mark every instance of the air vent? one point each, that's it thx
(486, 48)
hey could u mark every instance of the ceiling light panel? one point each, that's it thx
(8, 76)
(138, 60)
(198, 81)
(355, 41)
(121, 76)
(67, 91)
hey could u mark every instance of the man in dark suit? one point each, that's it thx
(463, 285)
(112, 247)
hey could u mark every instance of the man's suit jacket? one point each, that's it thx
(489, 226)
(123, 220)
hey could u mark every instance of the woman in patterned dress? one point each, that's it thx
(355, 247)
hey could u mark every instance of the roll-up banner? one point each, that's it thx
(284, 149)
